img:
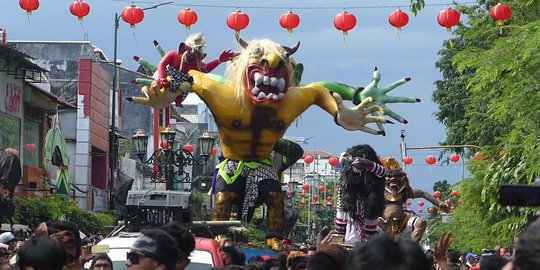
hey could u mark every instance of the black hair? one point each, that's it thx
(493, 262)
(101, 256)
(167, 247)
(54, 226)
(379, 253)
(183, 237)
(527, 250)
(298, 263)
(415, 257)
(256, 265)
(312, 248)
(322, 261)
(453, 255)
(41, 253)
(234, 254)
(273, 264)
(282, 258)
(256, 258)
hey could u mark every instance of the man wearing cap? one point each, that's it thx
(154, 249)
(9, 239)
(470, 259)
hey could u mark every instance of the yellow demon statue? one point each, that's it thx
(253, 107)
(395, 219)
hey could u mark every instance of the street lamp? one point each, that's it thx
(166, 158)
(112, 142)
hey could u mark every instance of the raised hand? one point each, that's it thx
(357, 117)
(381, 98)
(225, 55)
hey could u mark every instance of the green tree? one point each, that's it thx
(489, 97)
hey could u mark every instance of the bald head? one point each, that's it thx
(12, 151)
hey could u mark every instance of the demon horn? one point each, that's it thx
(291, 51)
(240, 41)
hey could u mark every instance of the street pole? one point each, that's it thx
(113, 143)
(112, 147)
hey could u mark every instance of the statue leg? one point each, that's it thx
(224, 201)
(275, 218)
(418, 228)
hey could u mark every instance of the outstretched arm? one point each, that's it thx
(418, 193)
(225, 56)
(357, 117)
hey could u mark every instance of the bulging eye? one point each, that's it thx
(257, 51)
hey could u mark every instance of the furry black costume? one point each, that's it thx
(361, 191)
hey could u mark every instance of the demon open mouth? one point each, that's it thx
(267, 85)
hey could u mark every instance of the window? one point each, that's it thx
(10, 131)
(31, 143)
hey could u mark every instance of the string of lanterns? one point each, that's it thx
(238, 20)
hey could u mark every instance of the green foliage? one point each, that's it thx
(34, 210)
(489, 97)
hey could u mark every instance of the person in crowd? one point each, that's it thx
(232, 256)
(4, 255)
(453, 259)
(68, 235)
(282, 258)
(311, 250)
(5, 266)
(154, 249)
(42, 253)
(273, 264)
(379, 253)
(8, 239)
(327, 257)
(184, 240)
(470, 260)
(101, 262)
(527, 250)
(492, 262)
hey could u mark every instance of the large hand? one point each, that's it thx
(357, 117)
(380, 98)
(225, 55)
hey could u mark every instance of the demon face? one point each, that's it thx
(267, 69)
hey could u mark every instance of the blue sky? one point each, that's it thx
(372, 43)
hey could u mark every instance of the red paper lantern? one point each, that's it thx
(214, 152)
(453, 193)
(133, 15)
(431, 210)
(289, 194)
(322, 188)
(289, 20)
(329, 198)
(29, 5)
(421, 203)
(500, 13)
(430, 160)
(165, 145)
(308, 159)
(315, 197)
(312, 204)
(305, 187)
(448, 18)
(478, 156)
(237, 20)
(421, 211)
(454, 158)
(187, 17)
(438, 194)
(407, 160)
(448, 202)
(344, 22)
(398, 19)
(502, 153)
(30, 147)
(303, 203)
(303, 195)
(333, 161)
(188, 147)
(79, 9)
(334, 208)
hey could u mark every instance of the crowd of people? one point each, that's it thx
(56, 245)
